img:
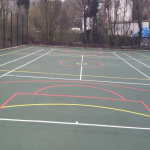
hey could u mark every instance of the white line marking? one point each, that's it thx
(80, 51)
(137, 61)
(20, 58)
(132, 66)
(84, 55)
(25, 64)
(81, 68)
(76, 124)
(76, 80)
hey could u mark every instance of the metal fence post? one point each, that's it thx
(27, 29)
(22, 29)
(148, 41)
(3, 28)
(17, 29)
(11, 28)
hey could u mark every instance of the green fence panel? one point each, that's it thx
(13, 29)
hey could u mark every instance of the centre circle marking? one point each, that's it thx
(85, 63)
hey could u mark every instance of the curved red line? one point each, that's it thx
(82, 86)
(81, 97)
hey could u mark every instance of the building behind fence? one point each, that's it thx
(13, 29)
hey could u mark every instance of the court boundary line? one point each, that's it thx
(78, 75)
(76, 124)
(81, 55)
(142, 54)
(132, 66)
(78, 50)
(25, 64)
(15, 51)
(19, 58)
(81, 68)
(137, 61)
(9, 48)
(106, 57)
(36, 77)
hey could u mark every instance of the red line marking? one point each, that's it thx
(80, 86)
(37, 48)
(26, 93)
(100, 51)
(75, 96)
(74, 82)
(94, 98)
(80, 97)
(8, 100)
(65, 50)
(145, 106)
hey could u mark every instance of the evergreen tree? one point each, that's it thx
(25, 3)
(92, 8)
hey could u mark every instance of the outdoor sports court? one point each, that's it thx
(56, 98)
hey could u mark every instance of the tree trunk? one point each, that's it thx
(85, 34)
(139, 13)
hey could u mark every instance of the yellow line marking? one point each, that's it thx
(83, 105)
(78, 75)
(79, 63)
(30, 53)
(26, 71)
(16, 51)
(142, 55)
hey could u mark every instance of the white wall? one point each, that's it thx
(129, 28)
(124, 12)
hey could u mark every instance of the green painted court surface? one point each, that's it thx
(57, 98)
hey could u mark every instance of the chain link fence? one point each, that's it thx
(13, 29)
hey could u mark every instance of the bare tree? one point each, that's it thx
(118, 13)
(3, 3)
(112, 9)
(80, 6)
(49, 11)
(138, 11)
